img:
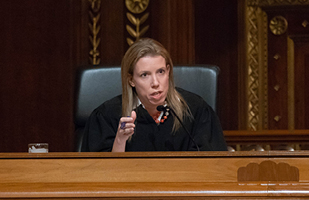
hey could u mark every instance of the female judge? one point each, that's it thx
(151, 114)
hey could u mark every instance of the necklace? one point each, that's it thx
(159, 117)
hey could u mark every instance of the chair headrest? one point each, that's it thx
(97, 85)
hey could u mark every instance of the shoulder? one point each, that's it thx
(113, 105)
(195, 102)
(190, 97)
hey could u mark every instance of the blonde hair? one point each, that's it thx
(149, 47)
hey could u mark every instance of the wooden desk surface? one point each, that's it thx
(162, 175)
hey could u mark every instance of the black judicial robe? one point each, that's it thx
(205, 128)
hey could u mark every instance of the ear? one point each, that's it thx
(132, 83)
(130, 80)
(168, 67)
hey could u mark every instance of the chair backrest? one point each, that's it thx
(96, 85)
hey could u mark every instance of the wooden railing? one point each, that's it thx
(290, 140)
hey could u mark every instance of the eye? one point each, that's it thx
(143, 75)
(161, 71)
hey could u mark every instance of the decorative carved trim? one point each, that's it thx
(257, 69)
(137, 22)
(278, 25)
(257, 60)
(136, 7)
(264, 3)
(268, 171)
(94, 28)
(253, 62)
(264, 66)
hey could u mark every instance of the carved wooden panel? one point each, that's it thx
(282, 102)
(277, 75)
(268, 171)
(289, 71)
(301, 49)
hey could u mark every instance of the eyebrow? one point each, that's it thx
(146, 71)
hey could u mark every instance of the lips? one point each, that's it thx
(156, 95)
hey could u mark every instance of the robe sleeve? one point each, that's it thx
(207, 131)
(100, 130)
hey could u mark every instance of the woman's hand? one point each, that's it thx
(125, 130)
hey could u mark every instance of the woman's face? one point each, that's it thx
(151, 81)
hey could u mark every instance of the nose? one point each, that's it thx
(155, 82)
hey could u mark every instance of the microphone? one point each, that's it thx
(161, 108)
(166, 108)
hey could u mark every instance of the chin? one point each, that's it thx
(155, 104)
(161, 103)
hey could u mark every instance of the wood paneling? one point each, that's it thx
(36, 74)
(277, 78)
(301, 82)
(287, 69)
(268, 140)
(216, 43)
(172, 23)
(159, 175)
(112, 33)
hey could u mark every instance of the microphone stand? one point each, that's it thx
(162, 108)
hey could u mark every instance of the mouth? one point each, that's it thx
(156, 94)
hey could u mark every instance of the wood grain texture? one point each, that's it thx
(154, 175)
(36, 74)
(267, 137)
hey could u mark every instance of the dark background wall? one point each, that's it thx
(44, 42)
(37, 65)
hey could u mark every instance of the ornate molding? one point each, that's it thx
(264, 67)
(94, 28)
(257, 118)
(278, 25)
(263, 3)
(268, 171)
(136, 7)
(253, 62)
(257, 61)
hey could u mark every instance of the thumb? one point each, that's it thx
(133, 115)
